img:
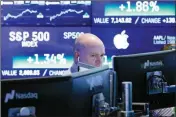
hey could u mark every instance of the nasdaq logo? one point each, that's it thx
(14, 95)
(9, 96)
(152, 64)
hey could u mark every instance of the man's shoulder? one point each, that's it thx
(72, 69)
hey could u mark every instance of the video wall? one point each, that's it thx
(37, 37)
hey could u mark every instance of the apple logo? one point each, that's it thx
(120, 40)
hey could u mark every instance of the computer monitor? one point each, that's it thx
(86, 85)
(37, 97)
(148, 73)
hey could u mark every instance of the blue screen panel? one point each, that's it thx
(133, 13)
(46, 13)
(36, 50)
(132, 40)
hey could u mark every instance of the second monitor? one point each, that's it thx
(87, 86)
(149, 73)
(36, 97)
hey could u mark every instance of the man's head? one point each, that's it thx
(89, 49)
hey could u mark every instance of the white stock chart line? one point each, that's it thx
(19, 15)
(8, 16)
(65, 12)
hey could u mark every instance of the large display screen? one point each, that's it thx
(37, 37)
(35, 51)
(134, 13)
(46, 13)
(132, 40)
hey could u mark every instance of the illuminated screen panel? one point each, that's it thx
(133, 40)
(37, 51)
(46, 13)
(143, 13)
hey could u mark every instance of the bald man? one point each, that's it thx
(88, 49)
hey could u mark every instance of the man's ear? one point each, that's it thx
(76, 56)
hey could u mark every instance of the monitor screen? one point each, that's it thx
(133, 40)
(148, 72)
(38, 36)
(45, 13)
(121, 13)
(37, 51)
(38, 97)
(88, 83)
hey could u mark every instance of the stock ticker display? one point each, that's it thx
(38, 51)
(38, 36)
(123, 41)
(135, 13)
(46, 13)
